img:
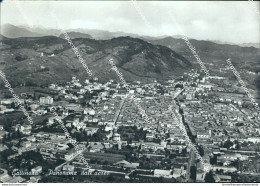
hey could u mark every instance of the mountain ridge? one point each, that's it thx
(106, 35)
(44, 60)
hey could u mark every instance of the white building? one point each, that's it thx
(163, 173)
(46, 100)
(116, 137)
(37, 170)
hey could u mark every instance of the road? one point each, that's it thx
(119, 110)
(192, 160)
(190, 163)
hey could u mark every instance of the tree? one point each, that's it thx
(17, 134)
(228, 144)
(184, 151)
(209, 177)
(13, 105)
(32, 155)
(5, 154)
(9, 136)
(237, 163)
(172, 156)
(98, 136)
(111, 178)
(213, 160)
(70, 145)
(237, 145)
(179, 86)
(193, 171)
(4, 139)
(201, 151)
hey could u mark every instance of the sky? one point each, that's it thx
(229, 21)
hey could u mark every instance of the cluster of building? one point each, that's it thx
(96, 115)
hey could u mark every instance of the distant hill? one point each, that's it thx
(99, 34)
(256, 45)
(94, 33)
(146, 58)
(1, 37)
(102, 34)
(136, 60)
(74, 35)
(213, 53)
(12, 31)
(43, 31)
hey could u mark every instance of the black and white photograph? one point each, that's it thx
(129, 92)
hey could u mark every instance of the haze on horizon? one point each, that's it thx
(226, 21)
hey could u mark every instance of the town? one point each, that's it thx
(118, 143)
